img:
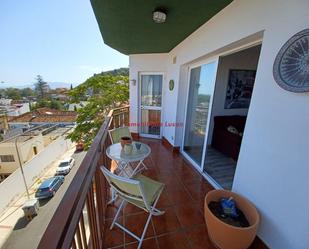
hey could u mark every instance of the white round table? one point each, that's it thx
(123, 160)
(115, 152)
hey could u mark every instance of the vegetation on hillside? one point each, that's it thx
(15, 93)
(40, 93)
(103, 92)
(123, 71)
(50, 103)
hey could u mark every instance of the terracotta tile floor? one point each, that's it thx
(182, 225)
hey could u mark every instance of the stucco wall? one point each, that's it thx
(13, 186)
(141, 64)
(25, 149)
(272, 170)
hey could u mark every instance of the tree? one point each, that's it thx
(12, 93)
(26, 92)
(123, 71)
(71, 87)
(109, 92)
(41, 103)
(55, 104)
(2, 93)
(41, 87)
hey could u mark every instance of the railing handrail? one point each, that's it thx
(61, 228)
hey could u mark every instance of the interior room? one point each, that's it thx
(231, 101)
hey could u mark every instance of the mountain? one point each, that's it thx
(14, 85)
(124, 71)
(52, 85)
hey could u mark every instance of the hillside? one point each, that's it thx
(124, 71)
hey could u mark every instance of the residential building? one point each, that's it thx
(38, 149)
(59, 96)
(18, 109)
(211, 66)
(46, 88)
(42, 116)
(24, 147)
(76, 106)
(4, 101)
(14, 108)
(225, 84)
(61, 90)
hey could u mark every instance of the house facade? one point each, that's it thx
(24, 147)
(14, 108)
(213, 96)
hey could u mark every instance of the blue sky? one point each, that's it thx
(58, 39)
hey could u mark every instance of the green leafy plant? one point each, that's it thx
(103, 92)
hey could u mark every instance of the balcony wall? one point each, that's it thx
(83, 217)
(79, 219)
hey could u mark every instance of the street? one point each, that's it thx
(25, 234)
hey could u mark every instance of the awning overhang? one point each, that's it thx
(127, 25)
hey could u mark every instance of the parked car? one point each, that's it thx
(79, 147)
(65, 166)
(49, 187)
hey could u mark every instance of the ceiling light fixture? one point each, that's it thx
(159, 16)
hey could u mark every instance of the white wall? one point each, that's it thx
(25, 149)
(273, 167)
(4, 101)
(139, 64)
(12, 187)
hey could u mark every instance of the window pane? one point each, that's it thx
(151, 122)
(7, 158)
(200, 90)
(151, 90)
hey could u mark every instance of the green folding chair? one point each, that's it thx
(117, 133)
(140, 191)
(115, 136)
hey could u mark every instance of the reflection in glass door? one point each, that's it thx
(150, 105)
(201, 87)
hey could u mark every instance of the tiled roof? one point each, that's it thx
(45, 115)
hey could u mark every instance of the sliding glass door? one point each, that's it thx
(201, 88)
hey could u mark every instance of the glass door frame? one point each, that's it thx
(149, 107)
(215, 60)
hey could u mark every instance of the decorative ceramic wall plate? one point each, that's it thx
(171, 85)
(291, 66)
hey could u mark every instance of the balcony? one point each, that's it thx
(83, 216)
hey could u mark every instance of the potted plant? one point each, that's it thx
(125, 140)
(227, 236)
